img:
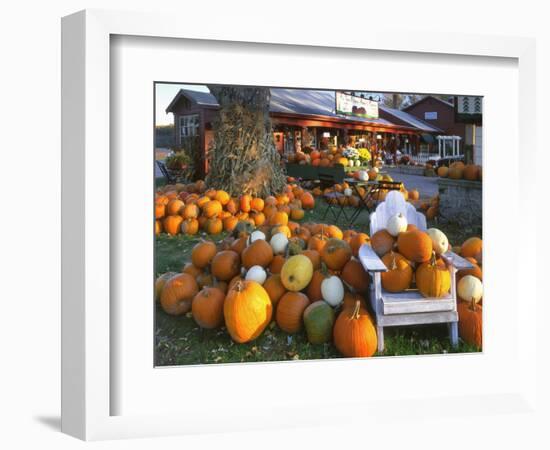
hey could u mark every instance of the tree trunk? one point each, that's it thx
(244, 159)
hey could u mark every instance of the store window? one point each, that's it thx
(189, 125)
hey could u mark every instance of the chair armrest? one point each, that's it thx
(459, 263)
(370, 260)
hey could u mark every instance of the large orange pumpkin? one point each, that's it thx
(191, 211)
(259, 253)
(355, 276)
(190, 226)
(160, 209)
(278, 218)
(354, 333)
(174, 207)
(290, 309)
(213, 226)
(257, 204)
(203, 253)
(382, 242)
(212, 208)
(225, 265)
(399, 275)
(415, 245)
(433, 279)
(178, 293)
(207, 307)
(308, 201)
(247, 311)
(222, 197)
(470, 323)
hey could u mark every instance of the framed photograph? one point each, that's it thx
(250, 221)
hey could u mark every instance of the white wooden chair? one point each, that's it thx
(409, 307)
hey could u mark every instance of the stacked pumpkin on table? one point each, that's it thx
(188, 208)
(305, 277)
(460, 171)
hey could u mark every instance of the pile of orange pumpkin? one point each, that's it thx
(319, 158)
(460, 171)
(302, 276)
(188, 208)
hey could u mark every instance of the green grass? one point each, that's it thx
(179, 341)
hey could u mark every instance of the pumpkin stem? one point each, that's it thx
(239, 286)
(355, 314)
(432, 261)
(473, 304)
(394, 264)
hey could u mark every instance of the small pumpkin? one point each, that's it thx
(277, 264)
(470, 323)
(399, 275)
(172, 224)
(259, 253)
(318, 322)
(274, 288)
(178, 293)
(382, 242)
(354, 333)
(332, 290)
(470, 289)
(278, 243)
(475, 271)
(297, 272)
(255, 235)
(356, 241)
(207, 307)
(247, 311)
(415, 245)
(433, 279)
(225, 265)
(257, 274)
(190, 226)
(440, 243)
(336, 253)
(397, 224)
(160, 282)
(290, 310)
(203, 253)
(471, 247)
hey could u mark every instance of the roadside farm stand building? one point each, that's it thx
(302, 118)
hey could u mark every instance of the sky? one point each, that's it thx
(164, 95)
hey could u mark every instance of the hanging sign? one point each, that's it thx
(350, 105)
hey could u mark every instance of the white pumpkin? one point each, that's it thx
(397, 224)
(332, 290)
(257, 274)
(279, 242)
(348, 192)
(439, 240)
(470, 288)
(255, 235)
(363, 175)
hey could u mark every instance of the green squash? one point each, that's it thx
(318, 321)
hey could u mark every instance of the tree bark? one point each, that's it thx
(244, 159)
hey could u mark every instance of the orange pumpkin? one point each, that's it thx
(207, 307)
(355, 276)
(296, 213)
(470, 323)
(229, 223)
(158, 227)
(351, 299)
(257, 204)
(382, 242)
(399, 275)
(222, 197)
(354, 333)
(191, 270)
(277, 264)
(308, 201)
(171, 224)
(239, 244)
(336, 253)
(314, 257)
(475, 271)
(317, 242)
(257, 217)
(278, 218)
(225, 265)
(247, 311)
(471, 172)
(160, 210)
(415, 245)
(190, 226)
(290, 310)
(178, 293)
(274, 288)
(259, 253)
(313, 289)
(433, 279)
(203, 253)
(213, 226)
(212, 208)
(244, 203)
(356, 241)
(174, 207)
(471, 247)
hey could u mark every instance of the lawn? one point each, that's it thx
(179, 341)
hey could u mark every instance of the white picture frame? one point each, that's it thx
(88, 330)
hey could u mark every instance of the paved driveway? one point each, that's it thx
(427, 186)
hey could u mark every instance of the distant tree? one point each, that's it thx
(164, 136)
